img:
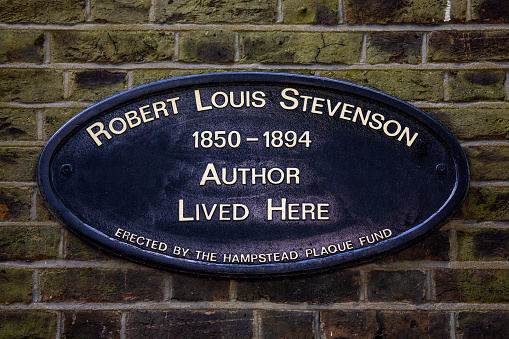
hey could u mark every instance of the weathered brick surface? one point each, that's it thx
(490, 11)
(398, 47)
(207, 46)
(477, 85)
(95, 86)
(111, 46)
(406, 85)
(54, 118)
(472, 286)
(42, 11)
(29, 243)
(15, 203)
(300, 48)
(413, 325)
(101, 285)
(323, 12)
(189, 324)
(473, 325)
(336, 286)
(126, 11)
(18, 124)
(474, 123)
(283, 324)
(216, 11)
(21, 46)
(91, 324)
(18, 164)
(488, 162)
(27, 324)
(193, 288)
(483, 245)
(78, 249)
(486, 203)
(26, 85)
(468, 46)
(349, 324)
(394, 11)
(408, 286)
(435, 247)
(15, 286)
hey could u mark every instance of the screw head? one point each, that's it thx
(66, 169)
(442, 169)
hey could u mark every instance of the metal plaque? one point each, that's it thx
(252, 173)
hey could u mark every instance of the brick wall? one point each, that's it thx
(447, 57)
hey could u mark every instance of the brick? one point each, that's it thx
(21, 46)
(406, 85)
(29, 243)
(483, 245)
(404, 48)
(42, 209)
(127, 11)
(398, 286)
(146, 76)
(15, 203)
(42, 11)
(488, 162)
(468, 46)
(434, 247)
(18, 124)
(15, 286)
(475, 123)
(474, 325)
(458, 11)
(27, 324)
(111, 46)
(281, 324)
(394, 11)
(97, 85)
(323, 12)
(490, 11)
(78, 249)
(54, 118)
(100, 285)
(472, 286)
(216, 11)
(348, 324)
(27, 85)
(210, 46)
(18, 164)
(477, 85)
(189, 324)
(486, 203)
(413, 325)
(193, 288)
(91, 324)
(300, 48)
(321, 288)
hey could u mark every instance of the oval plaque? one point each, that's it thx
(252, 173)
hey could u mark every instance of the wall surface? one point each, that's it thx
(447, 57)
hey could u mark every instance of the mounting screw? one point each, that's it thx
(442, 169)
(66, 169)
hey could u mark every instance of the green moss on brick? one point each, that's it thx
(111, 46)
(54, 118)
(18, 124)
(486, 203)
(360, 12)
(18, 46)
(300, 48)
(322, 12)
(29, 243)
(216, 11)
(97, 85)
(15, 203)
(123, 11)
(488, 162)
(477, 85)
(394, 48)
(483, 245)
(212, 46)
(78, 249)
(406, 85)
(26, 85)
(15, 286)
(42, 11)
(27, 324)
(18, 164)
